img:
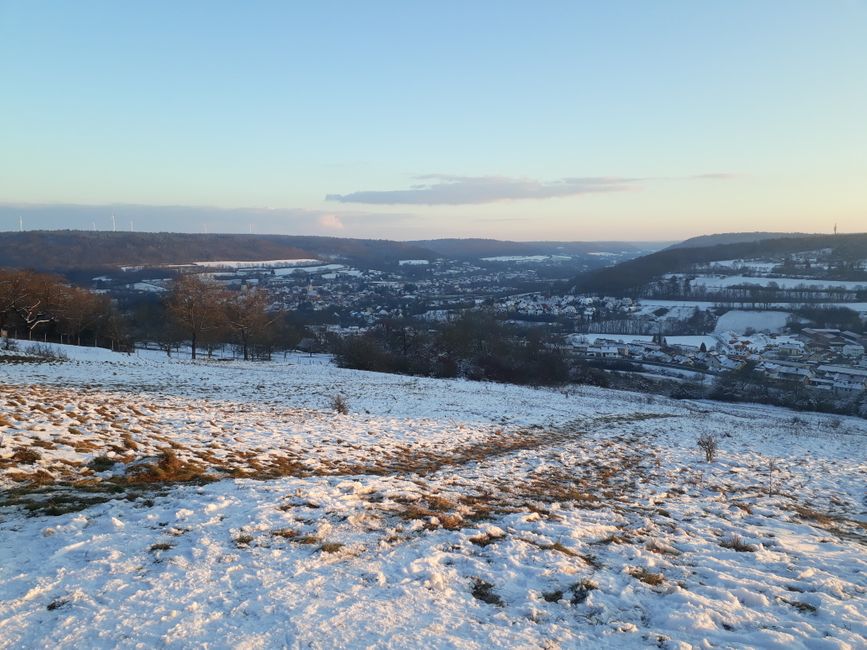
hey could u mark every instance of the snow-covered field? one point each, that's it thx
(725, 281)
(695, 341)
(740, 321)
(153, 502)
(261, 264)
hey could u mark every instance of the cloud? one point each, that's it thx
(443, 189)
(449, 189)
(331, 222)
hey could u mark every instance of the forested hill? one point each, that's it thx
(704, 241)
(473, 248)
(627, 277)
(68, 250)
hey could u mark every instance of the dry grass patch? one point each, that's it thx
(647, 577)
(804, 608)
(167, 469)
(330, 547)
(735, 542)
(484, 591)
(26, 456)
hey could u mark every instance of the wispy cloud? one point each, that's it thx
(448, 189)
(443, 189)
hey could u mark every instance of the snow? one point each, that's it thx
(516, 258)
(760, 321)
(260, 264)
(146, 286)
(413, 262)
(753, 265)
(724, 281)
(321, 268)
(438, 513)
(710, 342)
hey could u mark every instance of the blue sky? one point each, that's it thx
(520, 120)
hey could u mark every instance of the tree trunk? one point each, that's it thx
(193, 357)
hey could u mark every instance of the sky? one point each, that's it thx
(407, 120)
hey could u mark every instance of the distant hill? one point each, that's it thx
(63, 251)
(627, 277)
(703, 241)
(467, 249)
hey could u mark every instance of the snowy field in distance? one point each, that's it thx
(260, 264)
(725, 281)
(436, 514)
(740, 321)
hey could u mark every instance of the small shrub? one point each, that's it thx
(707, 442)
(339, 405)
(162, 546)
(243, 540)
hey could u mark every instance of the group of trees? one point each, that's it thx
(38, 305)
(46, 307)
(475, 346)
(206, 313)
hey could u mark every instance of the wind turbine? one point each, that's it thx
(20, 223)
(113, 223)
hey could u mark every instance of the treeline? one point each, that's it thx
(474, 346)
(41, 306)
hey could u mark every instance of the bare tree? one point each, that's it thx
(247, 316)
(707, 443)
(195, 306)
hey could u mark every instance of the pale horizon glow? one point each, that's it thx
(562, 121)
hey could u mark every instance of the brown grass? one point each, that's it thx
(736, 543)
(26, 456)
(647, 577)
(168, 469)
